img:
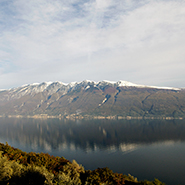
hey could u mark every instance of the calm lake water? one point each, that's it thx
(146, 149)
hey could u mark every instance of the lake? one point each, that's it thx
(146, 149)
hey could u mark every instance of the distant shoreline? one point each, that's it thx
(88, 117)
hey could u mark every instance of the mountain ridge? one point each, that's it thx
(103, 98)
(120, 83)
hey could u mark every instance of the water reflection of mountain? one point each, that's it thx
(90, 135)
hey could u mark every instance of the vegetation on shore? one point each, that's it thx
(21, 168)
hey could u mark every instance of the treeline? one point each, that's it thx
(21, 168)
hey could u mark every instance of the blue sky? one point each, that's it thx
(55, 40)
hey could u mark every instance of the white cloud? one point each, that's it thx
(96, 39)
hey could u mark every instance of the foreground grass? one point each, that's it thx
(21, 168)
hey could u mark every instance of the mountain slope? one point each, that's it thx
(90, 98)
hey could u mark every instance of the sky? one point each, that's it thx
(140, 41)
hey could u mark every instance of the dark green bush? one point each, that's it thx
(104, 176)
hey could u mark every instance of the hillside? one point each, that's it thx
(90, 98)
(21, 168)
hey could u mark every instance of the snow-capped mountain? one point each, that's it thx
(89, 97)
(53, 87)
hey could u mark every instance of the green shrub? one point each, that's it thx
(53, 164)
(155, 182)
(14, 173)
(130, 178)
(70, 174)
(104, 176)
(8, 169)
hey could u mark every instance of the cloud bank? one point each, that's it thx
(56, 40)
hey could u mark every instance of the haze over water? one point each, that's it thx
(146, 149)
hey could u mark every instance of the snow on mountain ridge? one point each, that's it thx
(126, 83)
(111, 82)
(52, 87)
(119, 83)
